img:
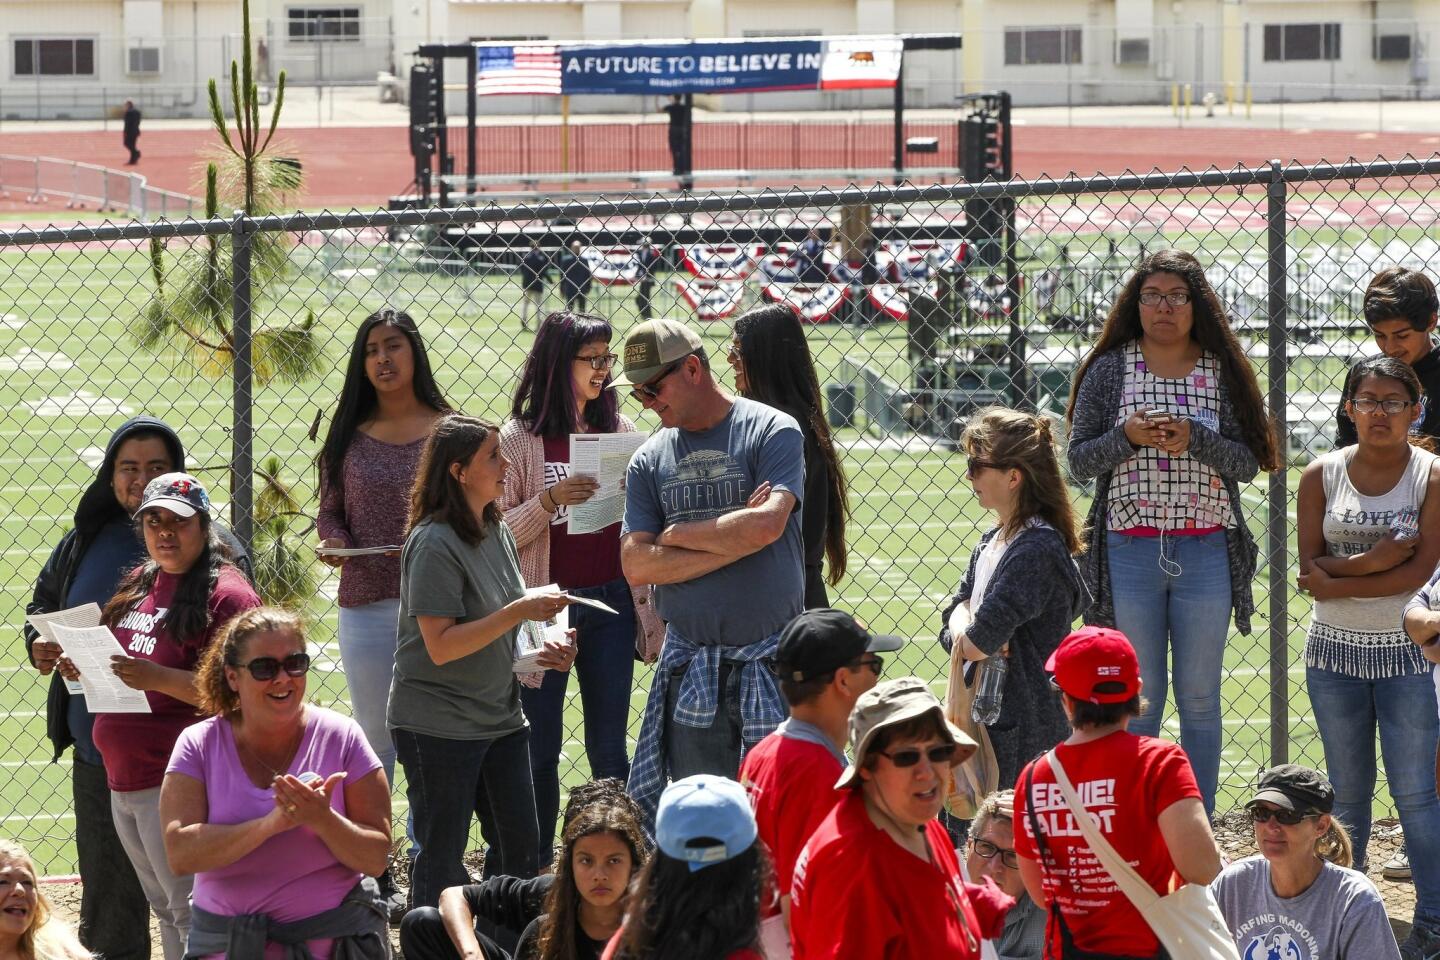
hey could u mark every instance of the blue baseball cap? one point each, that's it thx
(704, 807)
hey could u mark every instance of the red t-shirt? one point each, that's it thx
(136, 746)
(584, 559)
(858, 893)
(1127, 781)
(614, 945)
(791, 784)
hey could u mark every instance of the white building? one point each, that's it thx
(79, 57)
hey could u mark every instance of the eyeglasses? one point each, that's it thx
(1177, 299)
(987, 850)
(974, 465)
(1369, 405)
(938, 754)
(603, 361)
(1287, 817)
(875, 663)
(651, 390)
(733, 354)
(268, 668)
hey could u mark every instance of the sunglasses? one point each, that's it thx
(268, 668)
(987, 850)
(1287, 817)
(603, 361)
(974, 465)
(875, 663)
(651, 390)
(938, 754)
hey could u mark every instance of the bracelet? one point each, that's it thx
(553, 505)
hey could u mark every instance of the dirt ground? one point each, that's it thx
(1233, 832)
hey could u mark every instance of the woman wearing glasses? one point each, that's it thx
(164, 614)
(1366, 516)
(1166, 415)
(1297, 888)
(279, 808)
(879, 877)
(1022, 590)
(772, 365)
(563, 391)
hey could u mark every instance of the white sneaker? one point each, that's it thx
(1397, 867)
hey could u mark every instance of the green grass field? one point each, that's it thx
(73, 371)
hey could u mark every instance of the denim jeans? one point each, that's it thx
(1182, 612)
(448, 782)
(1347, 711)
(715, 749)
(605, 664)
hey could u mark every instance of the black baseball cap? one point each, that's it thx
(1296, 788)
(823, 640)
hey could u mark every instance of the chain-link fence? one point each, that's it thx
(252, 367)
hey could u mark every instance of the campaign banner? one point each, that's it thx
(698, 67)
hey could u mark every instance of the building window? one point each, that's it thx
(54, 57)
(1394, 46)
(1302, 41)
(1026, 46)
(310, 24)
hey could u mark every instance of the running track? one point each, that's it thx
(361, 167)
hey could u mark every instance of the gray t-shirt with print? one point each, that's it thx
(1340, 917)
(680, 476)
(475, 697)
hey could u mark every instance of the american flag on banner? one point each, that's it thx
(517, 70)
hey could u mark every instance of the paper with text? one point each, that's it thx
(605, 457)
(87, 615)
(90, 649)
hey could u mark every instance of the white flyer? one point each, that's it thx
(90, 649)
(82, 616)
(357, 551)
(530, 639)
(606, 457)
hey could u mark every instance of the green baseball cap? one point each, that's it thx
(651, 347)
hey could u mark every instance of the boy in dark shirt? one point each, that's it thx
(1400, 309)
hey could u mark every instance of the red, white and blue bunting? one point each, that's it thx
(711, 299)
(894, 300)
(613, 266)
(721, 261)
(811, 303)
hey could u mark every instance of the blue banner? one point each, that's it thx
(700, 67)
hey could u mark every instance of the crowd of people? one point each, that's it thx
(782, 799)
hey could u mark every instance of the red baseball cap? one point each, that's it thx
(1096, 664)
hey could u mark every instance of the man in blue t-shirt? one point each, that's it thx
(712, 519)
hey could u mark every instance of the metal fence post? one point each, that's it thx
(242, 437)
(1277, 529)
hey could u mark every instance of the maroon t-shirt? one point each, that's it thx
(136, 746)
(583, 560)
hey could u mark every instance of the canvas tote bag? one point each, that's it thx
(1188, 922)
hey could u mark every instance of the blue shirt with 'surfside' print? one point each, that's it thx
(680, 476)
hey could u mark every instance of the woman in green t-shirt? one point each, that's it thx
(455, 704)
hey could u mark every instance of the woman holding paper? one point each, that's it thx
(455, 703)
(387, 406)
(164, 615)
(563, 391)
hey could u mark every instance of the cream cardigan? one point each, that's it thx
(529, 522)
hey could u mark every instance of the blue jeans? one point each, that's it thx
(715, 749)
(1347, 711)
(606, 666)
(367, 655)
(448, 782)
(1182, 611)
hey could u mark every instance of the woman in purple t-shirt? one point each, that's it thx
(387, 406)
(278, 807)
(562, 391)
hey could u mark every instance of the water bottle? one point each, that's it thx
(986, 709)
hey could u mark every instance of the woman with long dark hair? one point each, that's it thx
(567, 914)
(455, 703)
(1367, 516)
(771, 360)
(562, 391)
(1166, 414)
(699, 896)
(388, 403)
(164, 613)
